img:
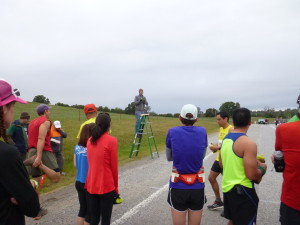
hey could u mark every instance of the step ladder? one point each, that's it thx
(144, 127)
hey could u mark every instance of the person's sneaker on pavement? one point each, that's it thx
(216, 205)
(41, 213)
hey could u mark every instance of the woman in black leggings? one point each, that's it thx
(102, 178)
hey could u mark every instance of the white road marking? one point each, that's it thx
(145, 202)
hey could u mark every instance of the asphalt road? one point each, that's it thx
(144, 185)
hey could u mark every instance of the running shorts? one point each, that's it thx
(288, 215)
(240, 205)
(184, 199)
(216, 167)
(48, 159)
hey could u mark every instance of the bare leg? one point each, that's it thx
(194, 217)
(51, 174)
(179, 218)
(214, 183)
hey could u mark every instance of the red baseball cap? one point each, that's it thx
(89, 108)
(8, 95)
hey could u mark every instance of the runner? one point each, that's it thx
(102, 178)
(81, 164)
(185, 146)
(240, 170)
(225, 128)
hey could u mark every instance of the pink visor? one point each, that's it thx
(8, 95)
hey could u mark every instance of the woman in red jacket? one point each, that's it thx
(102, 178)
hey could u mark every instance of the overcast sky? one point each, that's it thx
(199, 52)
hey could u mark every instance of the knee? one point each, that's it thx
(56, 179)
(211, 179)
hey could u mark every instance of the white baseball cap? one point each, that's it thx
(189, 108)
(57, 124)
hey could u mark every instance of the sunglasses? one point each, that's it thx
(15, 92)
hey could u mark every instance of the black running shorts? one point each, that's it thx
(184, 199)
(240, 205)
(288, 215)
(216, 167)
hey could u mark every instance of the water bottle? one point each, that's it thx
(174, 175)
(278, 161)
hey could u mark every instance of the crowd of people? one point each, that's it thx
(96, 162)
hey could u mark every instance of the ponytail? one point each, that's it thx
(2, 126)
(102, 126)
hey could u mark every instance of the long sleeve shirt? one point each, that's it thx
(103, 165)
(140, 101)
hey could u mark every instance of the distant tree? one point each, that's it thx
(198, 111)
(105, 109)
(62, 104)
(130, 109)
(41, 99)
(211, 112)
(117, 110)
(100, 108)
(269, 113)
(166, 115)
(77, 106)
(176, 115)
(229, 107)
(153, 114)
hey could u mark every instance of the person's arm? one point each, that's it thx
(251, 163)
(136, 100)
(114, 163)
(220, 159)
(169, 154)
(74, 160)
(169, 147)
(145, 100)
(44, 128)
(15, 180)
(62, 133)
(278, 142)
(214, 148)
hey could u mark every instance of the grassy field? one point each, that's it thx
(122, 128)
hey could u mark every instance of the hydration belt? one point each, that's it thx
(188, 178)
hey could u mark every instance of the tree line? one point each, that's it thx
(228, 107)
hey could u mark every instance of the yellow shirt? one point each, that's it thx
(92, 120)
(223, 132)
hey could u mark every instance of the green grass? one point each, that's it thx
(122, 128)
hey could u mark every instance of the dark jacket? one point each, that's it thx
(14, 182)
(18, 133)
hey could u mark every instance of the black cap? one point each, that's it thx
(24, 115)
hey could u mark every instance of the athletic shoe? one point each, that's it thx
(216, 205)
(41, 213)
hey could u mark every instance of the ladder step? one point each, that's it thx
(137, 144)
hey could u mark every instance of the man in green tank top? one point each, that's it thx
(241, 170)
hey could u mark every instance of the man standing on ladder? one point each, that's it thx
(140, 101)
